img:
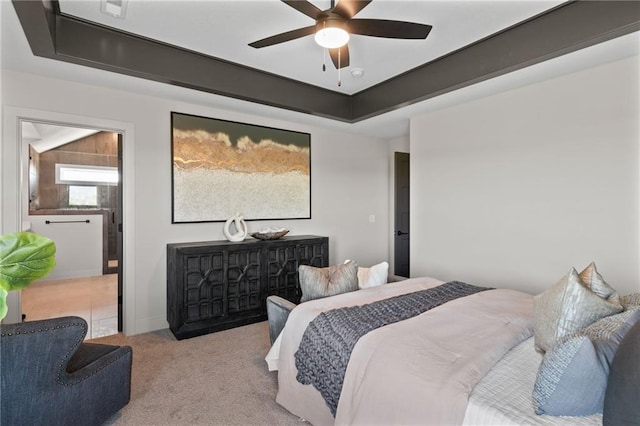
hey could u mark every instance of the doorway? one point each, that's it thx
(75, 198)
(401, 213)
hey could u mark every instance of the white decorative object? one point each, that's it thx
(241, 228)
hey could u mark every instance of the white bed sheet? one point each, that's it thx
(503, 396)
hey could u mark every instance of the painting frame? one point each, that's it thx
(220, 168)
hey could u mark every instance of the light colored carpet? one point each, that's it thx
(216, 379)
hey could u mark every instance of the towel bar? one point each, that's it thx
(48, 222)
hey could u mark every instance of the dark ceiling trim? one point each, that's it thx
(67, 39)
(128, 54)
(567, 28)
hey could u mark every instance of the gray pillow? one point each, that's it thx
(316, 283)
(609, 327)
(592, 279)
(566, 308)
(630, 300)
(572, 377)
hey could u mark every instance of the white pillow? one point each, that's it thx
(373, 276)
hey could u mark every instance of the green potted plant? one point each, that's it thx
(24, 258)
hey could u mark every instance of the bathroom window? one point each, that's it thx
(83, 196)
(76, 174)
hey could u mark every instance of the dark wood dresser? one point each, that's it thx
(216, 285)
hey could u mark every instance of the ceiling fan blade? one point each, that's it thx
(389, 29)
(349, 8)
(281, 38)
(305, 7)
(344, 56)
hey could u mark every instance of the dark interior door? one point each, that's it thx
(119, 234)
(401, 234)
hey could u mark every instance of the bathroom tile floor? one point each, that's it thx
(93, 298)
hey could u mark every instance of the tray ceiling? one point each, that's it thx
(202, 45)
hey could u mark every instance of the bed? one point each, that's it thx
(427, 369)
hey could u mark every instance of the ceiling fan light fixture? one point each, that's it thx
(332, 34)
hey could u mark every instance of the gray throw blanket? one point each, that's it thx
(325, 348)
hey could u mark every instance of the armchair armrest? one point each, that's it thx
(92, 358)
(278, 310)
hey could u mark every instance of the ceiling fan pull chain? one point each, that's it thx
(324, 52)
(339, 79)
(324, 59)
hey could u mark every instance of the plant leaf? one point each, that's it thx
(24, 258)
(3, 303)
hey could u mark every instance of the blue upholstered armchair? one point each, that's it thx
(50, 377)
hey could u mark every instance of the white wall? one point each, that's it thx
(349, 182)
(513, 189)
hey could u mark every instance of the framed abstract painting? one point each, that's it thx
(222, 168)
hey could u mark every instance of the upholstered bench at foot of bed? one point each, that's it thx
(278, 310)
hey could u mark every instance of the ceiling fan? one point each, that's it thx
(334, 26)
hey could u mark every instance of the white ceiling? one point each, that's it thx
(43, 136)
(224, 29)
(16, 54)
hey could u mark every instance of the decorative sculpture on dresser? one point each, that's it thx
(241, 228)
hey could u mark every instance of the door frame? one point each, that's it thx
(15, 201)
